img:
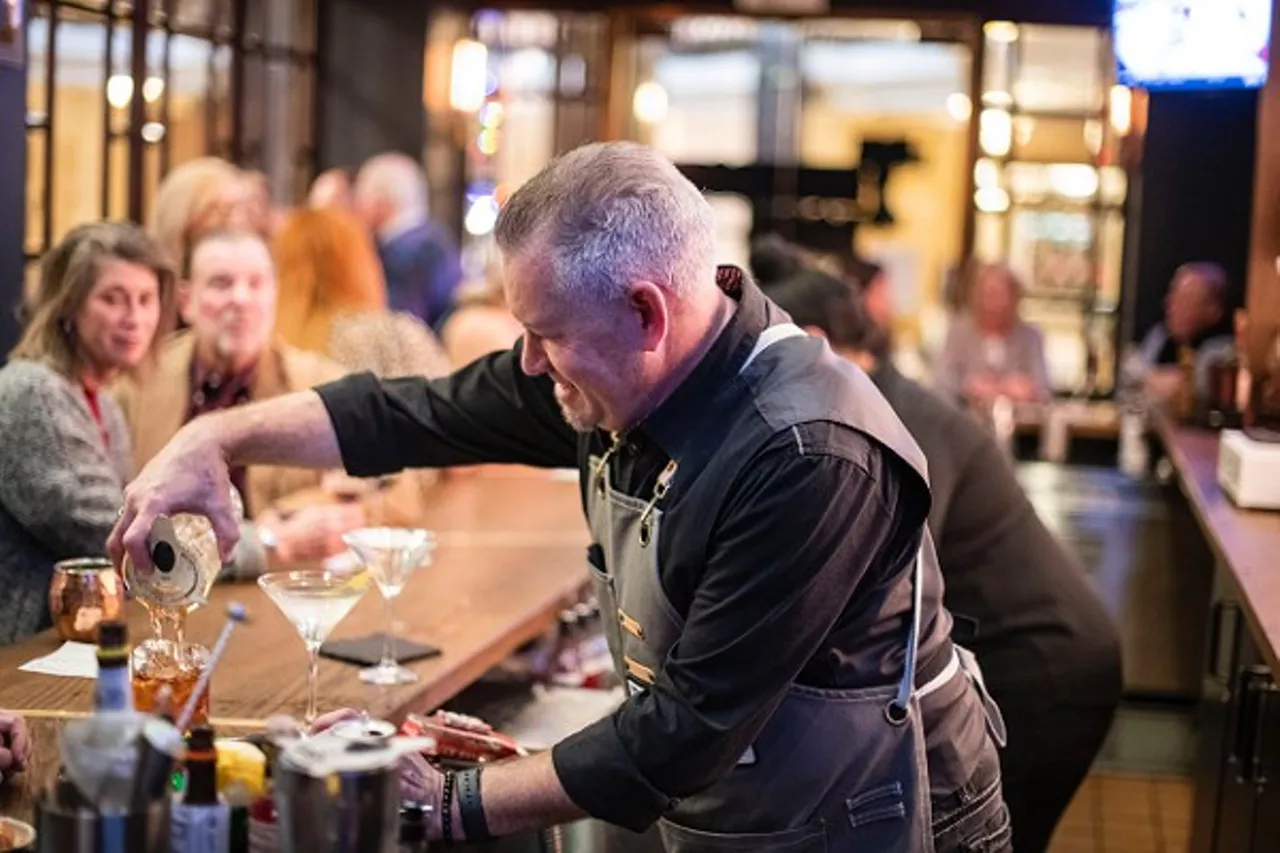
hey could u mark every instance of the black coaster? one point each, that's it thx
(367, 651)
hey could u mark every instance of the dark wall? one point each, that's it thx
(1194, 196)
(369, 95)
(13, 184)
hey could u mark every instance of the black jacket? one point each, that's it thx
(1021, 602)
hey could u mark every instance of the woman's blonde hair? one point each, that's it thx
(68, 274)
(201, 195)
(326, 264)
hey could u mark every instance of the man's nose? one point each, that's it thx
(533, 358)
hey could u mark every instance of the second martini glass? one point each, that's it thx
(390, 554)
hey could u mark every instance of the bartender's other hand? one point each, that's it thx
(331, 719)
(15, 744)
(189, 475)
(314, 532)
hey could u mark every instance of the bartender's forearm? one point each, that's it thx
(522, 795)
(293, 430)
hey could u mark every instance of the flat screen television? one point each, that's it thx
(1192, 44)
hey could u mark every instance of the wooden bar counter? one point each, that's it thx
(1246, 542)
(511, 552)
(1237, 807)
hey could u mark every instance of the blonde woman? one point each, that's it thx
(202, 195)
(104, 298)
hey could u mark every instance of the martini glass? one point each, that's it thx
(390, 554)
(314, 601)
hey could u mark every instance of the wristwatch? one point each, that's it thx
(470, 808)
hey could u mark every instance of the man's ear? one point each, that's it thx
(649, 301)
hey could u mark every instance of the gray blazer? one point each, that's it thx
(962, 356)
(60, 488)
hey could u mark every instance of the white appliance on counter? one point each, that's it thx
(1249, 471)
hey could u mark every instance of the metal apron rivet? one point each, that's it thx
(896, 715)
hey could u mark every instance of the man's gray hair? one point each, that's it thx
(396, 178)
(610, 214)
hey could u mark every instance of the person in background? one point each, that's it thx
(104, 296)
(990, 352)
(419, 259)
(1193, 315)
(229, 357)
(260, 210)
(1049, 651)
(15, 745)
(331, 188)
(332, 300)
(199, 196)
(481, 323)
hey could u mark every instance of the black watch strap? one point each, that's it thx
(470, 807)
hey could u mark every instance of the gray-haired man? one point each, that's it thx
(757, 512)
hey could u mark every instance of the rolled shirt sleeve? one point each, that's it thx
(802, 533)
(488, 411)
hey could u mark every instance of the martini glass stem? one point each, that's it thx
(313, 676)
(388, 637)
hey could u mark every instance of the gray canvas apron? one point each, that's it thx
(831, 770)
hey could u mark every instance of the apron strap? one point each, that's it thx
(770, 336)
(907, 686)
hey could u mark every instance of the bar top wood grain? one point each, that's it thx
(511, 553)
(1246, 541)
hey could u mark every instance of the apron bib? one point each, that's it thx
(831, 769)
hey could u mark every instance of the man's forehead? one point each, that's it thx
(218, 254)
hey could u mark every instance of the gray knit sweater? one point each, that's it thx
(60, 488)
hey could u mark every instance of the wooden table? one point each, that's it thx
(1246, 542)
(511, 553)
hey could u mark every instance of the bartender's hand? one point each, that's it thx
(189, 475)
(15, 745)
(419, 781)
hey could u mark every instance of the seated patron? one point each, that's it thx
(227, 357)
(1049, 651)
(990, 351)
(104, 293)
(1193, 317)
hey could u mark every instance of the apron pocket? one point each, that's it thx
(811, 838)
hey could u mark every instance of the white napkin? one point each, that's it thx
(71, 660)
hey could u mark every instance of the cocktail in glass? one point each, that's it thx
(390, 554)
(315, 601)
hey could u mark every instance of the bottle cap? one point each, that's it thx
(200, 739)
(113, 635)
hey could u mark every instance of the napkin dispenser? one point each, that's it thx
(1249, 471)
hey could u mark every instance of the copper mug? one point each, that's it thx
(84, 592)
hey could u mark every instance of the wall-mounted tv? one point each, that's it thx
(1192, 44)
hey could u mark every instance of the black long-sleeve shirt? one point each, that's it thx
(791, 577)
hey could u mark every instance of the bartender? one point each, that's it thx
(1049, 651)
(757, 514)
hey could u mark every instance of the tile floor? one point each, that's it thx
(1127, 813)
